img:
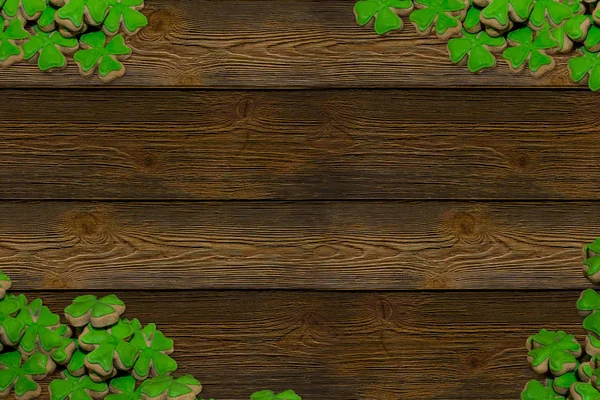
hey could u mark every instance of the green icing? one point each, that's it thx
(588, 304)
(31, 8)
(11, 329)
(46, 21)
(124, 389)
(586, 391)
(64, 352)
(563, 383)
(16, 374)
(499, 11)
(587, 64)
(594, 246)
(108, 344)
(74, 11)
(592, 43)
(525, 48)
(3, 276)
(167, 384)
(577, 27)
(126, 12)
(75, 388)
(437, 15)
(40, 328)
(76, 365)
(534, 390)
(48, 46)
(585, 371)
(472, 22)
(9, 50)
(89, 303)
(385, 13)
(153, 348)
(97, 53)
(476, 47)
(270, 395)
(556, 12)
(558, 348)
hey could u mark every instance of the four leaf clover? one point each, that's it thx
(40, 329)
(99, 312)
(385, 12)
(97, 52)
(76, 388)
(153, 349)
(14, 374)
(527, 50)
(49, 49)
(477, 48)
(441, 16)
(556, 352)
(11, 33)
(165, 387)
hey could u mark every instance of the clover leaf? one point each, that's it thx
(29, 9)
(46, 21)
(75, 12)
(124, 389)
(562, 384)
(5, 282)
(385, 12)
(62, 354)
(99, 312)
(477, 48)
(534, 390)
(591, 251)
(472, 22)
(441, 16)
(498, 13)
(49, 48)
(76, 365)
(586, 370)
(11, 329)
(551, 351)
(10, 52)
(76, 388)
(20, 376)
(153, 349)
(584, 391)
(588, 305)
(40, 329)
(165, 387)
(553, 11)
(525, 50)
(270, 395)
(588, 65)
(126, 13)
(108, 348)
(97, 52)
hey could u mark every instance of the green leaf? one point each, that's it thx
(557, 348)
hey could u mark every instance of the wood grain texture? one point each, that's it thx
(298, 245)
(300, 145)
(353, 346)
(281, 44)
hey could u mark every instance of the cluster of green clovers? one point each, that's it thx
(101, 354)
(46, 31)
(571, 370)
(524, 32)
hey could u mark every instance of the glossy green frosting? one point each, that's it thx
(558, 348)
(75, 10)
(167, 384)
(499, 10)
(270, 395)
(14, 373)
(437, 15)
(524, 48)
(12, 328)
(125, 12)
(89, 303)
(40, 328)
(75, 388)
(386, 19)
(586, 391)
(108, 344)
(100, 53)
(31, 8)
(556, 11)
(153, 348)
(48, 46)
(475, 46)
(124, 388)
(588, 64)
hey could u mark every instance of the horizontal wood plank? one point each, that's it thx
(281, 44)
(299, 145)
(377, 346)
(301, 245)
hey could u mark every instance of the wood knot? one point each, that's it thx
(160, 24)
(146, 162)
(384, 310)
(473, 363)
(520, 161)
(467, 227)
(244, 109)
(89, 227)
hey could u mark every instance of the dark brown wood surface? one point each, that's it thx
(352, 345)
(281, 44)
(207, 145)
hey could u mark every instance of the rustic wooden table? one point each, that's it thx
(299, 203)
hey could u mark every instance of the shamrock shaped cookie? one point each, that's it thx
(41, 327)
(28, 9)
(153, 349)
(46, 21)
(562, 384)
(99, 312)
(586, 370)
(76, 388)
(63, 353)
(498, 13)
(577, 27)
(73, 13)
(552, 11)
(472, 22)
(534, 390)
(11, 329)
(591, 251)
(126, 14)
(21, 376)
(76, 365)
(5, 282)
(124, 389)
(441, 16)
(588, 305)
(165, 387)
(584, 391)
(385, 12)
(109, 348)
(587, 66)
(48, 48)
(270, 395)
(525, 50)
(477, 48)
(556, 352)
(97, 52)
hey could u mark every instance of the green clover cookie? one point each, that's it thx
(552, 11)
(586, 370)
(62, 354)
(584, 391)
(588, 305)
(587, 66)
(21, 376)
(11, 329)
(46, 21)
(441, 16)
(477, 48)
(76, 388)
(28, 9)
(76, 365)
(385, 12)
(14, 34)
(153, 349)
(499, 14)
(565, 44)
(124, 389)
(49, 49)
(525, 50)
(109, 348)
(99, 312)
(551, 351)
(165, 387)
(562, 384)
(74, 13)
(270, 395)
(472, 22)
(534, 390)
(591, 251)
(126, 14)
(41, 327)
(97, 52)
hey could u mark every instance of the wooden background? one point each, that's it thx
(301, 204)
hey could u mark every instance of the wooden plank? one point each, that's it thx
(299, 145)
(378, 346)
(302, 245)
(281, 44)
